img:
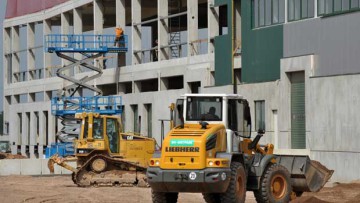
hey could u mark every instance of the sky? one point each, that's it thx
(2, 16)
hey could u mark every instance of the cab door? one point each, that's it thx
(113, 135)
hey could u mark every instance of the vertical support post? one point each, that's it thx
(213, 25)
(136, 31)
(78, 29)
(30, 50)
(98, 23)
(25, 132)
(32, 141)
(98, 17)
(65, 30)
(163, 30)
(42, 133)
(15, 32)
(47, 56)
(192, 31)
(6, 57)
(51, 129)
(121, 21)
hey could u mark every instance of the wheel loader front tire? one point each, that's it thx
(275, 185)
(236, 191)
(164, 197)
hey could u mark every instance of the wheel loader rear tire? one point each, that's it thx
(236, 191)
(211, 197)
(164, 197)
(275, 185)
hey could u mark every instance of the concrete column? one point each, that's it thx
(30, 46)
(42, 133)
(14, 131)
(15, 36)
(98, 17)
(163, 30)
(213, 25)
(47, 56)
(33, 134)
(136, 31)
(78, 30)
(65, 30)
(192, 31)
(6, 50)
(51, 129)
(120, 21)
(24, 134)
(98, 23)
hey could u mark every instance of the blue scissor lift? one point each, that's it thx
(65, 105)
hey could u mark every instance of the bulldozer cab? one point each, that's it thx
(99, 132)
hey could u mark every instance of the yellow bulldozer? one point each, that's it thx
(105, 156)
(210, 151)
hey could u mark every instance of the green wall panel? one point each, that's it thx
(262, 49)
(223, 50)
(223, 60)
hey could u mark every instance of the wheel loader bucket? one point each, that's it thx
(307, 175)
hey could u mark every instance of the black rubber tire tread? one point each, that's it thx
(172, 197)
(263, 195)
(211, 197)
(163, 197)
(230, 195)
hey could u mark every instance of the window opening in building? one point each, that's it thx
(300, 9)
(327, 7)
(267, 12)
(195, 87)
(259, 115)
(223, 20)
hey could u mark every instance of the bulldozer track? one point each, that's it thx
(118, 172)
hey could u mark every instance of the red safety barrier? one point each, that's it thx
(16, 8)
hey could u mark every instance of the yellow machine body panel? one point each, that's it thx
(136, 148)
(191, 147)
(103, 134)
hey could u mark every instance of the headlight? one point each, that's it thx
(211, 163)
(157, 163)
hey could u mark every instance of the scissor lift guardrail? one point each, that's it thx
(91, 47)
(109, 105)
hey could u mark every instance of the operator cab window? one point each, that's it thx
(112, 133)
(98, 129)
(86, 125)
(204, 109)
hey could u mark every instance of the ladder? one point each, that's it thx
(175, 36)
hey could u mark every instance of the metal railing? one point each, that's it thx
(84, 43)
(97, 104)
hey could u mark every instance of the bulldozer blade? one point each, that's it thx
(55, 159)
(307, 175)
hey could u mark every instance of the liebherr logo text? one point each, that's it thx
(182, 149)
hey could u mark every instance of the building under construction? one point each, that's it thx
(296, 62)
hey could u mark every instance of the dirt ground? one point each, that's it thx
(61, 189)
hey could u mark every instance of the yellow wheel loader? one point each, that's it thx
(210, 151)
(105, 156)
